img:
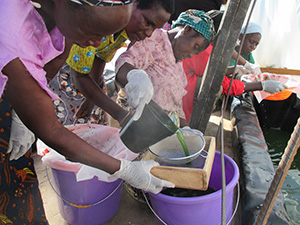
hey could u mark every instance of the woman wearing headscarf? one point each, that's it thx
(253, 35)
(159, 59)
(30, 39)
(194, 69)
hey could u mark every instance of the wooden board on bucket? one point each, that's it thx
(183, 177)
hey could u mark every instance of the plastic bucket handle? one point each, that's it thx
(233, 214)
(76, 205)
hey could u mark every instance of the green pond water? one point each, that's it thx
(277, 141)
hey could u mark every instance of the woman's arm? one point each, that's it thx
(241, 61)
(121, 76)
(89, 86)
(253, 86)
(35, 108)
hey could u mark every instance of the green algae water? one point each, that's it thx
(182, 141)
(170, 125)
(277, 141)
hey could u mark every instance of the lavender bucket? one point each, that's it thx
(201, 210)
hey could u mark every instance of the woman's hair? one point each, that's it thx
(168, 5)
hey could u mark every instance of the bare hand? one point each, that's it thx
(85, 109)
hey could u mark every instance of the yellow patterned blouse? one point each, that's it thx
(82, 59)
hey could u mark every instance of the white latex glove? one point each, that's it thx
(241, 70)
(273, 86)
(137, 174)
(21, 138)
(139, 90)
(253, 68)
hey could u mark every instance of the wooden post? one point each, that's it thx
(219, 60)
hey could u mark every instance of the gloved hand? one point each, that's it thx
(21, 138)
(139, 90)
(241, 70)
(253, 68)
(272, 86)
(137, 174)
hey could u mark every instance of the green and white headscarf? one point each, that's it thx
(199, 21)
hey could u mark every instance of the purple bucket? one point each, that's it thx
(202, 210)
(83, 194)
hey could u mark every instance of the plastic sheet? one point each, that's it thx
(257, 170)
(280, 23)
(104, 138)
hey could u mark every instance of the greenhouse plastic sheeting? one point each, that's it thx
(280, 22)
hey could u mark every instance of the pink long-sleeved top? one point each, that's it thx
(24, 35)
(155, 56)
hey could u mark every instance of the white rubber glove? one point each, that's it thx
(241, 70)
(21, 138)
(273, 86)
(253, 68)
(139, 90)
(137, 174)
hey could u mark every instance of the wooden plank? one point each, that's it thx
(210, 158)
(280, 71)
(183, 177)
(189, 178)
(218, 63)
